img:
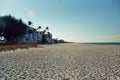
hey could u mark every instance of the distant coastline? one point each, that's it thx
(101, 43)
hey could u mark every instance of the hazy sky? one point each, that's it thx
(71, 20)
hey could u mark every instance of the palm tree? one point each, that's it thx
(49, 34)
(30, 23)
(47, 28)
(43, 37)
(44, 31)
(39, 27)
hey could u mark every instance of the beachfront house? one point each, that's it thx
(34, 36)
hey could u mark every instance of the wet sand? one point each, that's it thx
(61, 62)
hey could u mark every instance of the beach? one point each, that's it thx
(68, 61)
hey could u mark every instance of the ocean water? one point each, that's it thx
(103, 43)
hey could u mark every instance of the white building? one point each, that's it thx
(33, 36)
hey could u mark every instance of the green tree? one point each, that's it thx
(47, 28)
(2, 27)
(11, 28)
(39, 27)
(30, 23)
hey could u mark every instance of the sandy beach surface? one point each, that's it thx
(62, 62)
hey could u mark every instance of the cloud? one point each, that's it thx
(31, 13)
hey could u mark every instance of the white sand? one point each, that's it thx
(62, 62)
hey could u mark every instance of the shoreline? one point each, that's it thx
(14, 47)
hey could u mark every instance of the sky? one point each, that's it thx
(71, 20)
